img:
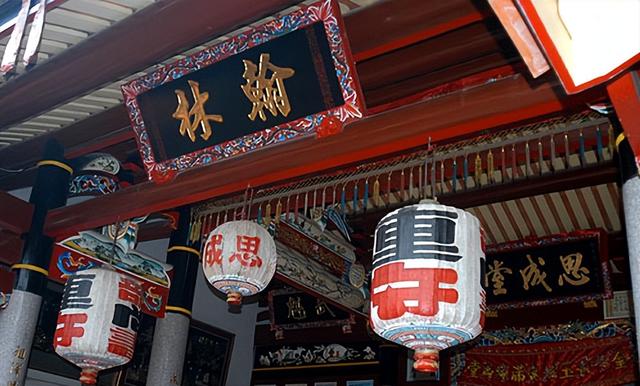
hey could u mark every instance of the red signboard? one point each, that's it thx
(592, 361)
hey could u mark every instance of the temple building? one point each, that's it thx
(319, 193)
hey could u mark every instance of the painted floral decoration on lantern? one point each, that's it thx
(239, 259)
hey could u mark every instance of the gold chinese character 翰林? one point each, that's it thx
(200, 117)
(532, 275)
(574, 272)
(496, 272)
(266, 92)
(296, 310)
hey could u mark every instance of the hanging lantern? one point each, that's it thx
(98, 321)
(239, 259)
(426, 280)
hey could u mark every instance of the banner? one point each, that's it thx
(290, 77)
(587, 362)
(551, 270)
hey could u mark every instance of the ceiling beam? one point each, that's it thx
(10, 248)
(495, 103)
(152, 35)
(15, 214)
(401, 23)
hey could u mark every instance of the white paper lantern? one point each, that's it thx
(239, 259)
(98, 321)
(426, 291)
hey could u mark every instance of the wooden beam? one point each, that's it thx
(105, 128)
(495, 103)
(10, 248)
(401, 23)
(15, 214)
(152, 35)
(625, 95)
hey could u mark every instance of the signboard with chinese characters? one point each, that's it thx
(291, 309)
(578, 353)
(586, 362)
(552, 270)
(290, 77)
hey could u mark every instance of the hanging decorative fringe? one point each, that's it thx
(478, 170)
(278, 212)
(490, 167)
(433, 177)
(376, 192)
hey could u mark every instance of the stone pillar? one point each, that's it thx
(171, 332)
(631, 207)
(18, 320)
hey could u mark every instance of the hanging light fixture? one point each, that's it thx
(239, 259)
(426, 279)
(98, 321)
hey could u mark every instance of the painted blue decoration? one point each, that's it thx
(355, 197)
(454, 183)
(465, 171)
(599, 144)
(365, 198)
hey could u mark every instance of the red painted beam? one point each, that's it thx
(401, 23)
(496, 103)
(10, 248)
(625, 95)
(15, 214)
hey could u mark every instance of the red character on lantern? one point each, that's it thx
(68, 329)
(213, 252)
(247, 251)
(391, 301)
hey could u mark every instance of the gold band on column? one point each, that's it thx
(61, 165)
(30, 267)
(183, 248)
(180, 310)
(619, 139)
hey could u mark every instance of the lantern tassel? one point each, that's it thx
(376, 193)
(425, 361)
(88, 376)
(234, 298)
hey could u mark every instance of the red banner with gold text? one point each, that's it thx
(585, 362)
